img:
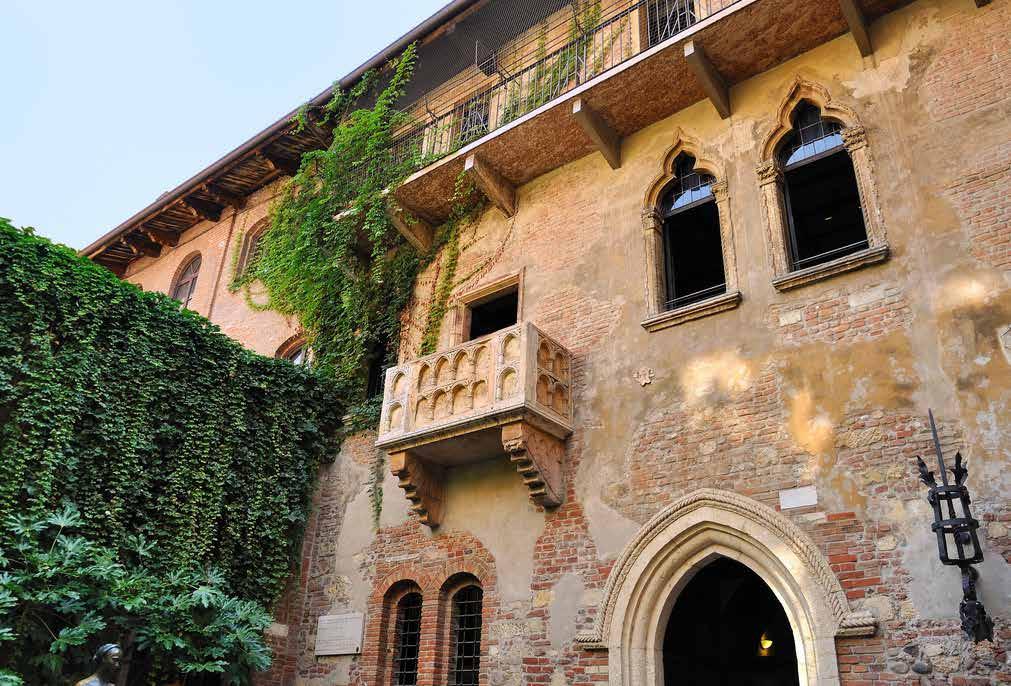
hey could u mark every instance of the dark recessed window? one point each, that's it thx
(186, 284)
(822, 200)
(408, 640)
(466, 627)
(374, 376)
(666, 18)
(693, 250)
(494, 314)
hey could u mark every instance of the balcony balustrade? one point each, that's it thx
(505, 394)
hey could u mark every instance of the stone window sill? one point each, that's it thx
(720, 303)
(857, 260)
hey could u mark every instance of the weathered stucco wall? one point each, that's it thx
(825, 386)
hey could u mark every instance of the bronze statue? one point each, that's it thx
(106, 659)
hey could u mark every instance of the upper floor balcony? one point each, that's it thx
(505, 394)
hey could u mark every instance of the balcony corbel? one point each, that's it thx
(709, 78)
(603, 136)
(416, 230)
(495, 187)
(858, 25)
(538, 458)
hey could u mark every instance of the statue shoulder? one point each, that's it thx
(92, 680)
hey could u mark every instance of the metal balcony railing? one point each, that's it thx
(545, 72)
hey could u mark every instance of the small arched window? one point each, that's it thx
(186, 284)
(408, 640)
(826, 220)
(252, 243)
(295, 351)
(467, 613)
(692, 247)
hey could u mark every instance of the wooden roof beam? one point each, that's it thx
(280, 163)
(602, 135)
(223, 197)
(141, 246)
(203, 209)
(709, 78)
(496, 188)
(166, 238)
(858, 25)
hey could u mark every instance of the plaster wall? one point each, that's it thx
(822, 387)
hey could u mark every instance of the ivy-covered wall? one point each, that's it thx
(151, 421)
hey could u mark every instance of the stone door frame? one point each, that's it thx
(684, 537)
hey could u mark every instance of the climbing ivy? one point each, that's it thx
(152, 422)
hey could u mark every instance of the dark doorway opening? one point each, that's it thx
(728, 629)
(494, 314)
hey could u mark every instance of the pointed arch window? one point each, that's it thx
(467, 613)
(823, 206)
(693, 251)
(186, 283)
(408, 640)
(818, 191)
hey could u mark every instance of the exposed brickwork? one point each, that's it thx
(973, 69)
(983, 201)
(842, 316)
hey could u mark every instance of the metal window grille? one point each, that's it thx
(187, 283)
(466, 627)
(813, 137)
(666, 18)
(408, 641)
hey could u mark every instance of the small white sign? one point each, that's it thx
(798, 497)
(340, 634)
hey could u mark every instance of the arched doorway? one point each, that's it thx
(728, 629)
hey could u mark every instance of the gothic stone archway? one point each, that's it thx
(684, 537)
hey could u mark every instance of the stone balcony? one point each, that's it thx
(507, 394)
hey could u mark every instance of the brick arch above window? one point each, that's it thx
(295, 350)
(658, 315)
(771, 181)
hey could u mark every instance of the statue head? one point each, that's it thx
(107, 659)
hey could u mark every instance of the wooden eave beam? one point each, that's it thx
(495, 187)
(204, 209)
(167, 238)
(416, 230)
(858, 25)
(139, 245)
(602, 135)
(709, 78)
(280, 163)
(224, 197)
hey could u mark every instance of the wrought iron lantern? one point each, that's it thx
(957, 540)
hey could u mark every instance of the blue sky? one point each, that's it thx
(108, 104)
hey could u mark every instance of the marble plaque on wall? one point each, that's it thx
(340, 634)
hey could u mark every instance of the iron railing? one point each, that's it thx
(546, 71)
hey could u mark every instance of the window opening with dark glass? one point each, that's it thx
(408, 640)
(466, 627)
(375, 374)
(495, 314)
(822, 200)
(298, 355)
(693, 250)
(187, 282)
(666, 18)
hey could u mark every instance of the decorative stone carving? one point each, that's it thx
(423, 484)
(538, 458)
(652, 222)
(770, 178)
(450, 408)
(643, 583)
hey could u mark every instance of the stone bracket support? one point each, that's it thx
(538, 458)
(858, 25)
(602, 135)
(416, 230)
(424, 485)
(496, 188)
(710, 79)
